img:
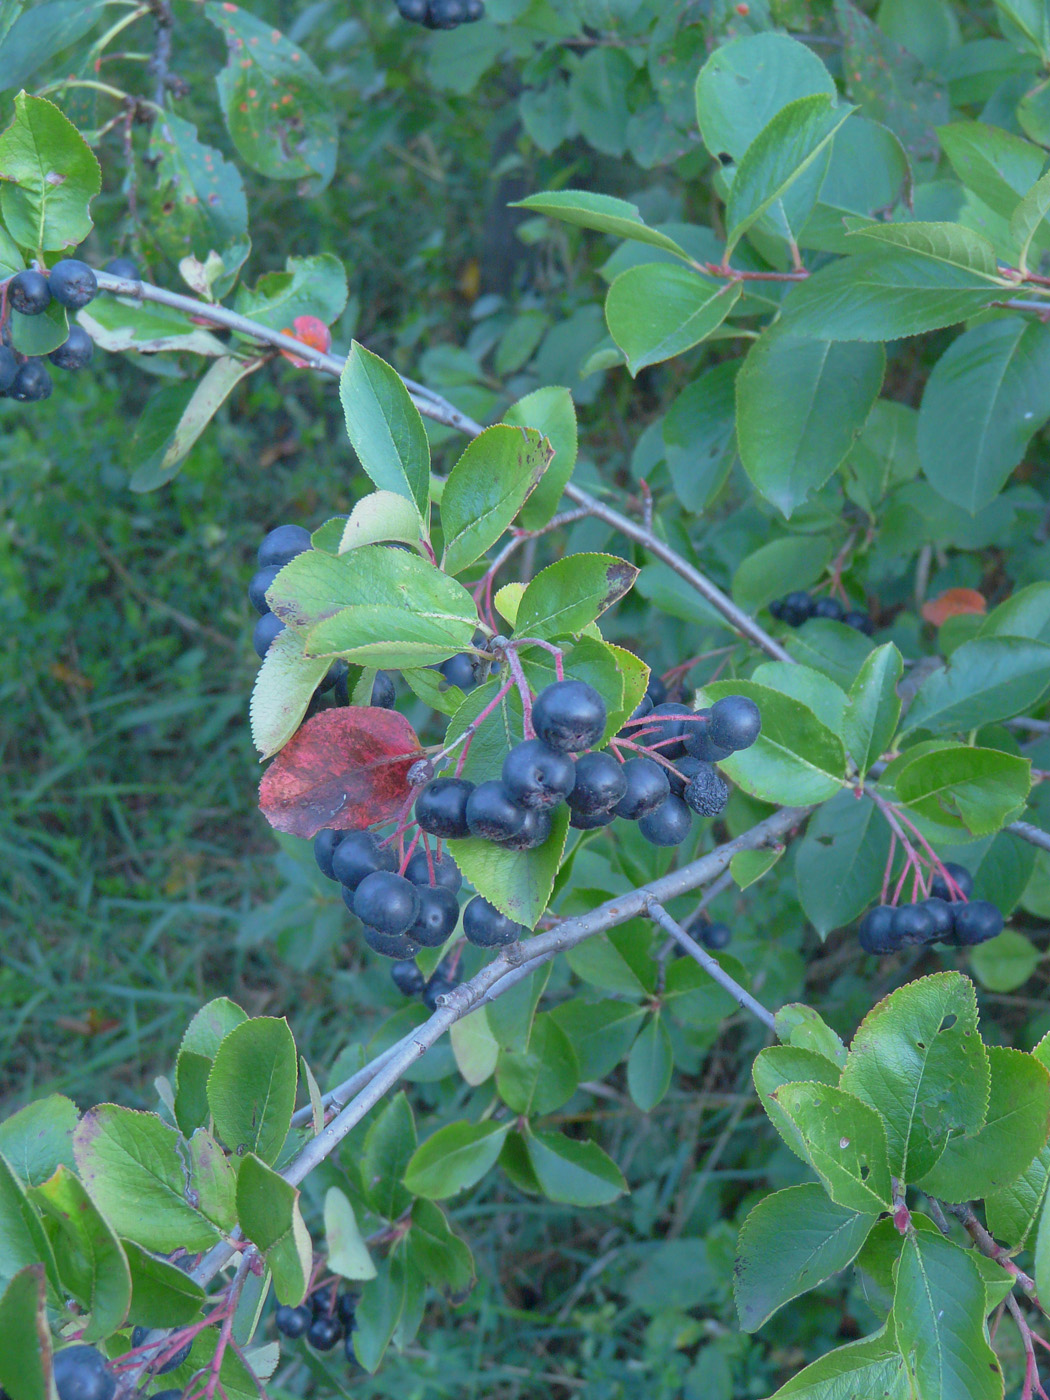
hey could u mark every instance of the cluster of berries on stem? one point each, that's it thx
(71, 284)
(441, 14)
(947, 915)
(323, 1321)
(798, 607)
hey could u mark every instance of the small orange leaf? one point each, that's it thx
(953, 603)
(310, 331)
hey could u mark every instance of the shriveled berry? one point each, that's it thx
(257, 586)
(647, 789)
(569, 716)
(735, 723)
(535, 831)
(72, 283)
(29, 293)
(283, 544)
(357, 854)
(669, 824)
(976, 922)
(407, 977)
(75, 351)
(387, 902)
(600, 784)
(535, 775)
(266, 629)
(437, 917)
(707, 791)
(439, 870)
(961, 878)
(486, 927)
(876, 933)
(492, 813)
(441, 807)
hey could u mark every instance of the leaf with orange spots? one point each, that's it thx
(346, 768)
(952, 603)
(197, 203)
(277, 106)
(311, 331)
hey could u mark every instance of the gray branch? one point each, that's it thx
(711, 965)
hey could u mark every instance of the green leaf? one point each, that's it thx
(601, 1032)
(117, 325)
(782, 151)
(25, 1358)
(571, 593)
(985, 398)
(39, 1138)
(22, 1237)
(513, 1015)
(659, 310)
(311, 286)
(214, 1180)
(699, 435)
(487, 488)
(551, 412)
(251, 1087)
(161, 1294)
(813, 689)
(39, 335)
(650, 1064)
(383, 1305)
(442, 1256)
(800, 406)
(870, 1367)
(378, 517)
(792, 1241)
(1008, 964)
(978, 789)
(748, 867)
(746, 82)
(1025, 613)
(519, 883)
(944, 244)
(474, 1046)
(385, 428)
(205, 1033)
(543, 1076)
(874, 707)
(454, 1158)
(48, 178)
(989, 679)
(176, 432)
(269, 1215)
(598, 98)
(30, 40)
(135, 1171)
(845, 1141)
(197, 198)
(888, 81)
(284, 686)
(997, 165)
(977, 1164)
(886, 295)
(90, 1260)
(1029, 217)
(799, 1025)
(918, 1061)
(840, 861)
(572, 1172)
(938, 1313)
(778, 1065)
(348, 1254)
(1012, 1212)
(795, 759)
(600, 212)
(278, 107)
(778, 567)
(1026, 24)
(389, 1145)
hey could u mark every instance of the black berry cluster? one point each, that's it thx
(81, 1373)
(72, 284)
(441, 14)
(948, 916)
(799, 607)
(278, 548)
(324, 1321)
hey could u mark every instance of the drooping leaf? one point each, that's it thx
(345, 768)
(269, 1214)
(454, 1158)
(840, 861)
(600, 212)
(385, 428)
(658, 310)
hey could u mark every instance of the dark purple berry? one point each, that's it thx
(446, 873)
(581, 821)
(647, 789)
(29, 293)
(962, 878)
(257, 586)
(829, 608)
(943, 917)
(407, 978)
(383, 692)
(486, 927)
(656, 690)
(798, 607)
(346, 1303)
(325, 844)
(437, 918)
(441, 807)
(282, 545)
(387, 902)
(81, 1373)
(388, 945)
(266, 629)
(324, 1332)
(976, 922)
(535, 775)
(138, 1339)
(734, 723)
(699, 744)
(715, 935)
(459, 671)
(859, 621)
(776, 609)
(876, 933)
(664, 730)
(438, 986)
(32, 383)
(669, 824)
(913, 926)
(492, 813)
(8, 368)
(413, 10)
(359, 854)
(600, 784)
(569, 716)
(122, 267)
(72, 283)
(535, 831)
(75, 351)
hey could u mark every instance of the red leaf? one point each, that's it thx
(310, 331)
(345, 768)
(952, 603)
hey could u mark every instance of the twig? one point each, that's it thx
(657, 912)
(1028, 832)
